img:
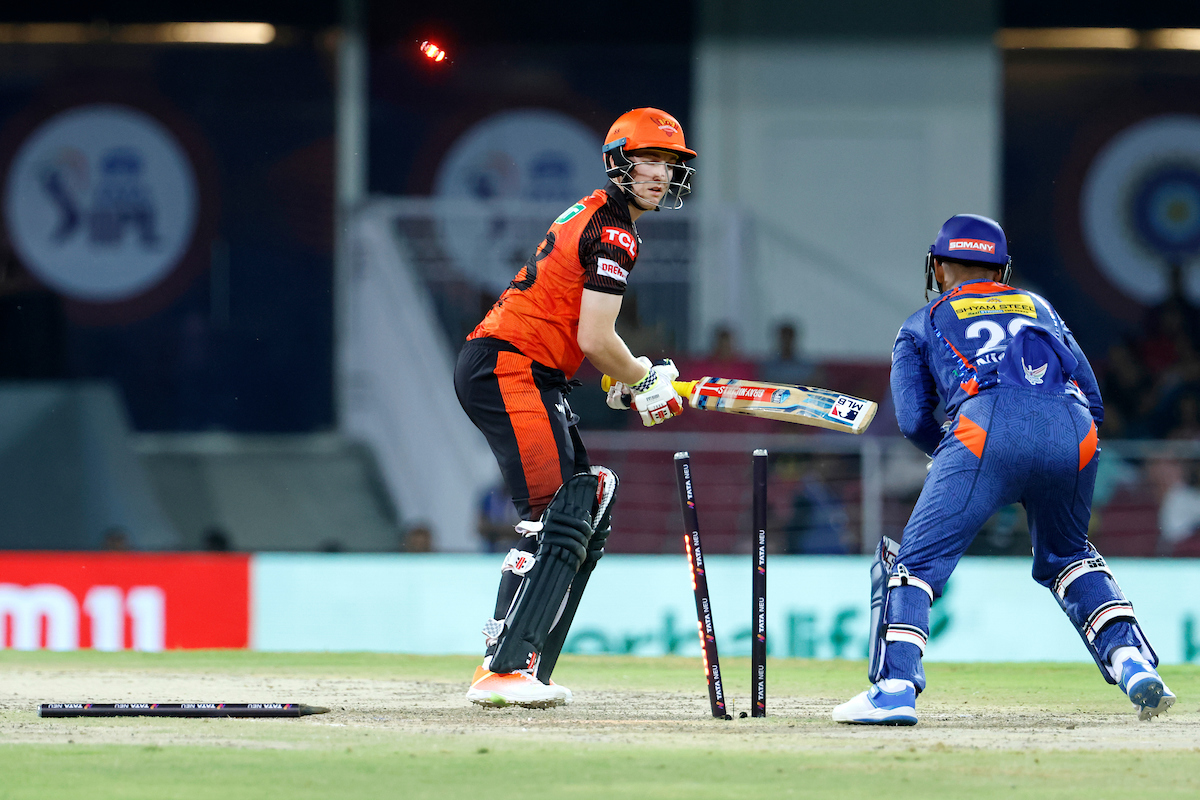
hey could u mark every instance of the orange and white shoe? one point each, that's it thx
(497, 689)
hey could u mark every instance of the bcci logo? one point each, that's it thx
(846, 408)
(101, 202)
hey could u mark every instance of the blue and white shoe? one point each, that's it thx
(1145, 688)
(890, 702)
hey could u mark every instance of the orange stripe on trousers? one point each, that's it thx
(531, 424)
(1087, 448)
(971, 435)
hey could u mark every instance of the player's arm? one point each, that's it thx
(599, 340)
(914, 394)
(653, 395)
(1086, 378)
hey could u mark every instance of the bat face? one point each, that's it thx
(806, 405)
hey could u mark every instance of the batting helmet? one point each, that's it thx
(644, 129)
(970, 239)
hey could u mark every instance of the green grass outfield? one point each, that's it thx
(442, 748)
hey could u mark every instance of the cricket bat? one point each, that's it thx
(803, 405)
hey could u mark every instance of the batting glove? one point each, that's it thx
(620, 397)
(654, 397)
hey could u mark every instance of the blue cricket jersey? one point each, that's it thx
(952, 347)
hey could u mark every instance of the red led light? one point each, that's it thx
(432, 51)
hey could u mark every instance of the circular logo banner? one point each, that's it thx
(1140, 207)
(528, 155)
(101, 202)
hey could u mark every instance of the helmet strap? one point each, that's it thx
(618, 167)
(1006, 271)
(930, 283)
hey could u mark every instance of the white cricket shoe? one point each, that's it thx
(497, 689)
(1145, 688)
(569, 697)
(890, 702)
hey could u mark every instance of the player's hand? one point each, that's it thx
(620, 396)
(654, 397)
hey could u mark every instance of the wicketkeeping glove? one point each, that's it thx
(654, 397)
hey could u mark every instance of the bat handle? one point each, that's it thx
(683, 387)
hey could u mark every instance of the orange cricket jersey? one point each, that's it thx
(593, 245)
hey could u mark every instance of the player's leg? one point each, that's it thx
(1058, 503)
(606, 492)
(526, 427)
(566, 527)
(601, 515)
(967, 482)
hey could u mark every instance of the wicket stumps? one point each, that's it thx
(758, 581)
(695, 553)
(758, 584)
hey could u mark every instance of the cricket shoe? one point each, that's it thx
(567, 692)
(521, 688)
(1145, 688)
(890, 702)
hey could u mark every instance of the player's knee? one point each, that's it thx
(567, 522)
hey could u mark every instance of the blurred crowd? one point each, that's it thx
(1150, 379)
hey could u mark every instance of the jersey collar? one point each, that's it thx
(618, 199)
(980, 285)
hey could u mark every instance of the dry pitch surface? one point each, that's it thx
(429, 701)
(409, 705)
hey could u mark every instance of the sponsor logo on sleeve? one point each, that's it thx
(611, 269)
(622, 239)
(978, 245)
(846, 408)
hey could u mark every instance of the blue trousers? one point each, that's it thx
(1007, 444)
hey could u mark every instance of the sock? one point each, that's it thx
(1122, 654)
(893, 685)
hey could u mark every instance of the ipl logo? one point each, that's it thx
(121, 198)
(101, 202)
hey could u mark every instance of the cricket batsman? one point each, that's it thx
(513, 377)
(1022, 408)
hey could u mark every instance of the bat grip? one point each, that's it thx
(683, 387)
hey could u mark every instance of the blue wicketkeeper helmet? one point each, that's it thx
(970, 239)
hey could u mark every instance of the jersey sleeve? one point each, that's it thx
(607, 255)
(1085, 378)
(914, 394)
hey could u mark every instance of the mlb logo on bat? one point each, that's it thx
(846, 408)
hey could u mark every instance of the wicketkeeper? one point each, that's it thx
(513, 377)
(1022, 409)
